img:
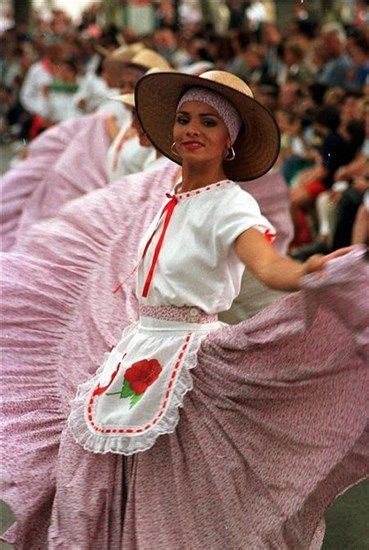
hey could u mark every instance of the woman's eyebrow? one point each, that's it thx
(215, 115)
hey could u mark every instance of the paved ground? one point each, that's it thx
(347, 521)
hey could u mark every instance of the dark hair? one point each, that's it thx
(362, 43)
(328, 117)
(356, 132)
(317, 91)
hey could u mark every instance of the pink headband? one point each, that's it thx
(223, 107)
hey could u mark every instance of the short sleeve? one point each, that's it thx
(237, 214)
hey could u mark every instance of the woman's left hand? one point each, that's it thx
(316, 263)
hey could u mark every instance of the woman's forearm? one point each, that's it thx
(281, 274)
(272, 269)
(266, 264)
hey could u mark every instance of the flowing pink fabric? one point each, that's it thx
(80, 168)
(273, 430)
(18, 184)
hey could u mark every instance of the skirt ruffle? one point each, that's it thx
(18, 184)
(276, 426)
(79, 169)
(272, 431)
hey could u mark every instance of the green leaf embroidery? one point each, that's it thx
(134, 400)
(126, 390)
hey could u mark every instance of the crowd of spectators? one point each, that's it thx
(314, 77)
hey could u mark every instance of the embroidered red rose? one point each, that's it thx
(142, 374)
(138, 378)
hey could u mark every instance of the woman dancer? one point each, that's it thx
(221, 392)
(192, 258)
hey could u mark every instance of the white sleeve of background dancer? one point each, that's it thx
(31, 96)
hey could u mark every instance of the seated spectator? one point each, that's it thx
(347, 209)
(333, 97)
(290, 94)
(335, 151)
(292, 142)
(334, 70)
(271, 40)
(248, 64)
(358, 74)
(294, 65)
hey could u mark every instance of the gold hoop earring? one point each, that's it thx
(231, 155)
(173, 149)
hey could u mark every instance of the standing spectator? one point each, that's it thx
(236, 14)
(256, 15)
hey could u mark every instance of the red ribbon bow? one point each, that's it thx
(168, 211)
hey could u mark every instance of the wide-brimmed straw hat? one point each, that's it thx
(257, 145)
(147, 59)
(123, 53)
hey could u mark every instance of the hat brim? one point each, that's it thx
(256, 147)
(127, 99)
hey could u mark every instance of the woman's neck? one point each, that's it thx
(197, 176)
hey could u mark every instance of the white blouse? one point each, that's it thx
(126, 156)
(197, 263)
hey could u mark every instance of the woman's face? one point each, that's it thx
(128, 80)
(200, 134)
(143, 139)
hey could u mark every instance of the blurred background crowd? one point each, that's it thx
(306, 61)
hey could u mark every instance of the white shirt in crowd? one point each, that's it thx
(60, 106)
(31, 93)
(110, 106)
(93, 91)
